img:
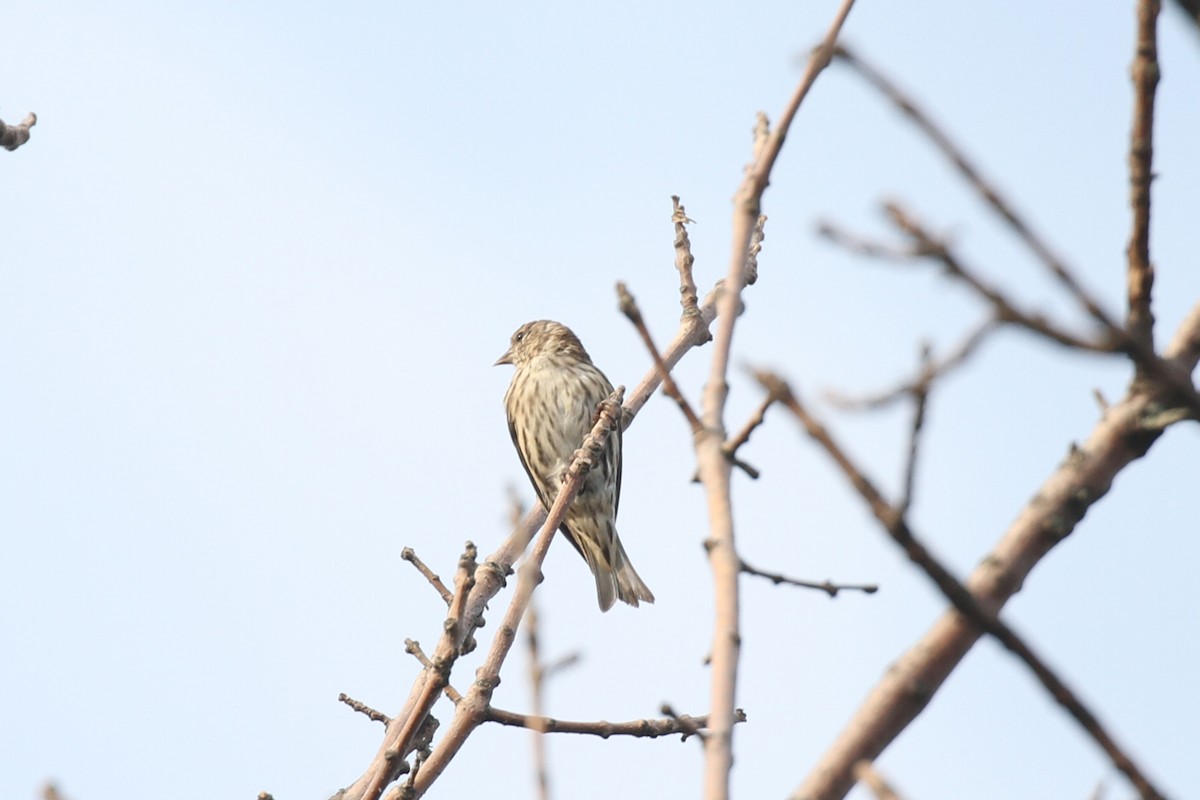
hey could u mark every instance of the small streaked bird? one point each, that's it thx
(551, 405)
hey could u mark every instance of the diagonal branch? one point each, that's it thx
(410, 555)
(629, 308)
(972, 608)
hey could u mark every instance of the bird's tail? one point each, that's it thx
(616, 579)
(630, 587)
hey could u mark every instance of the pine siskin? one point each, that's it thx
(551, 407)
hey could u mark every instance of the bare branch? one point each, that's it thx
(1140, 272)
(688, 296)
(643, 728)
(756, 419)
(363, 708)
(631, 311)
(826, 586)
(409, 555)
(978, 611)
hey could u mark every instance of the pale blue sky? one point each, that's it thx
(259, 258)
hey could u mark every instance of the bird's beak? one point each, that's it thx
(504, 359)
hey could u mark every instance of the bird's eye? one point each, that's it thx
(519, 336)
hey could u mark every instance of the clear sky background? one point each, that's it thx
(256, 264)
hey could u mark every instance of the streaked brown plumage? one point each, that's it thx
(551, 405)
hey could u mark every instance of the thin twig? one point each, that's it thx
(963, 600)
(920, 396)
(688, 295)
(363, 708)
(629, 308)
(409, 555)
(1140, 272)
(688, 725)
(826, 586)
(669, 725)
(731, 446)
(560, 665)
